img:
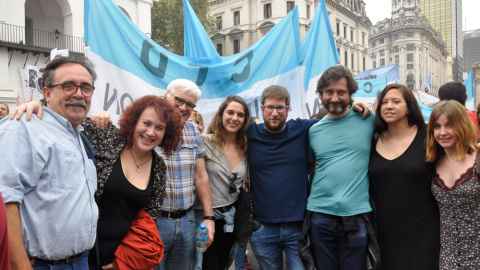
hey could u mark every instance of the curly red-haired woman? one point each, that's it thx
(131, 175)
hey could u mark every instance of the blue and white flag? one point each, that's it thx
(196, 42)
(391, 72)
(470, 102)
(426, 87)
(130, 65)
(319, 53)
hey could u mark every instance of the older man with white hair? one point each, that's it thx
(186, 173)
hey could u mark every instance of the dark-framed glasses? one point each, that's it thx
(270, 108)
(71, 88)
(233, 177)
(180, 101)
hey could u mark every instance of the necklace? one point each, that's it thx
(138, 166)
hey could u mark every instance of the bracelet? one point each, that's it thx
(41, 103)
(210, 217)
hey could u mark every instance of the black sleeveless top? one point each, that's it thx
(118, 207)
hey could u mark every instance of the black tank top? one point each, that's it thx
(118, 206)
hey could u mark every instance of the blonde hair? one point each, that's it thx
(196, 117)
(462, 125)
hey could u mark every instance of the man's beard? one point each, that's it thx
(276, 128)
(338, 110)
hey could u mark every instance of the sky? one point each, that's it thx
(378, 10)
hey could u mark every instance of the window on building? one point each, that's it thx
(382, 62)
(338, 28)
(219, 49)
(395, 37)
(382, 52)
(410, 47)
(364, 67)
(236, 46)
(409, 66)
(374, 43)
(410, 57)
(374, 64)
(290, 6)
(267, 10)
(410, 78)
(351, 60)
(308, 11)
(219, 23)
(381, 41)
(346, 59)
(351, 35)
(344, 32)
(397, 59)
(236, 18)
(338, 50)
(396, 49)
(363, 39)
(409, 34)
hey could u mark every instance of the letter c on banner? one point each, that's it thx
(243, 76)
(162, 64)
(371, 87)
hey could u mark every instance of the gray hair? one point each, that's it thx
(183, 86)
(49, 72)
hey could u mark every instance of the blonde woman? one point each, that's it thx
(451, 138)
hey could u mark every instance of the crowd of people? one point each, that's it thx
(354, 190)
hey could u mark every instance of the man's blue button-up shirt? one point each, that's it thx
(45, 169)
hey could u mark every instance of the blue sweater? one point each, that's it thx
(278, 171)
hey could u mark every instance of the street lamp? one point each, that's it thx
(57, 34)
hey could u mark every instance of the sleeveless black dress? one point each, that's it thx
(406, 213)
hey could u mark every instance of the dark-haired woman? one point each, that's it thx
(225, 147)
(456, 184)
(406, 214)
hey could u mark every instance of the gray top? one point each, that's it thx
(219, 175)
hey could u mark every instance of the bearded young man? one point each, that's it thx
(340, 143)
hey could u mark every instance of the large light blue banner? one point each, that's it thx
(132, 65)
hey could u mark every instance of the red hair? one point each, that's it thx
(173, 130)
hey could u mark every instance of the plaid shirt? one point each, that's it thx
(179, 191)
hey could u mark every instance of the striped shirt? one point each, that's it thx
(180, 186)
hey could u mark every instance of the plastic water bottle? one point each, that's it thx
(202, 237)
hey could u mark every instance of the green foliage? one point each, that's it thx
(167, 22)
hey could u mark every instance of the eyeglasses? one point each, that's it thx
(180, 101)
(280, 109)
(71, 88)
(233, 188)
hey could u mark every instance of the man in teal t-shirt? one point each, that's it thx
(340, 143)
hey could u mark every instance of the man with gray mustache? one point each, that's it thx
(48, 177)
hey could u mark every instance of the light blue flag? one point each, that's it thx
(131, 65)
(426, 87)
(470, 102)
(318, 48)
(196, 41)
(426, 111)
(391, 72)
(370, 88)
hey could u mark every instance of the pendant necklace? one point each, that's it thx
(138, 166)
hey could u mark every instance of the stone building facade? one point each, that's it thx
(408, 40)
(244, 22)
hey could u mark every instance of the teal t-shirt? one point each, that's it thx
(342, 148)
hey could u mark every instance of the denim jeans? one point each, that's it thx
(237, 256)
(332, 251)
(269, 240)
(178, 237)
(79, 264)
